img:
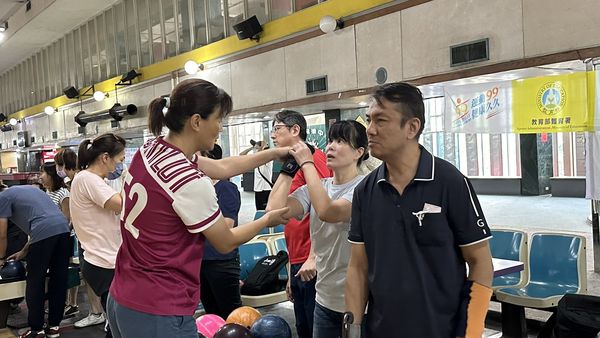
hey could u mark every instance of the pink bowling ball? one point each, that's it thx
(208, 324)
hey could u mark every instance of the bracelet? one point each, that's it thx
(305, 162)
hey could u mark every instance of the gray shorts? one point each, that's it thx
(127, 323)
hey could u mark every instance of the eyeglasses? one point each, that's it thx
(278, 127)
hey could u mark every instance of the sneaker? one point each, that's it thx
(32, 334)
(91, 319)
(52, 332)
(71, 310)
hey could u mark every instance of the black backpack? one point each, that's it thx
(264, 278)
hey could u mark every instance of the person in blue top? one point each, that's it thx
(220, 273)
(48, 249)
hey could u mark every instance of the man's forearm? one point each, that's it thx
(279, 194)
(231, 166)
(356, 292)
(3, 246)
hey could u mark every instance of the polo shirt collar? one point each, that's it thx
(425, 170)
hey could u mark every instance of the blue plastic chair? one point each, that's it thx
(278, 229)
(250, 254)
(557, 266)
(509, 244)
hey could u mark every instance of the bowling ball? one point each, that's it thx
(271, 326)
(231, 330)
(244, 316)
(12, 271)
(208, 324)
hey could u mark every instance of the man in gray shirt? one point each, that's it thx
(48, 249)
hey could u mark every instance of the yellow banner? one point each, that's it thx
(552, 104)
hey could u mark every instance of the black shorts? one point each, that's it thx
(99, 279)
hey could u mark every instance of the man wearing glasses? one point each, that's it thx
(289, 128)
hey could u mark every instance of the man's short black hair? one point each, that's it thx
(407, 98)
(290, 118)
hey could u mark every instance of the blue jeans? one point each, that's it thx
(304, 294)
(127, 323)
(327, 323)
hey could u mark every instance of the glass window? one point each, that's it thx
(258, 8)
(156, 47)
(200, 34)
(78, 59)
(64, 63)
(122, 41)
(236, 14)
(132, 36)
(111, 52)
(280, 8)
(102, 54)
(170, 36)
(216, 20)
(46, 72)
(94, 51)
(85, 55)
(183, 24)
(51, 71)
(568, 152)
(144, 26)
(302, 4)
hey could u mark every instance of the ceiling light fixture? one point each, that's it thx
(13, 121)
(328, 24)
(49, 110)
(192, 67)
(3, 26)
(100, 95)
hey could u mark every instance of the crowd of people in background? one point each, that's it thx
(160, 235)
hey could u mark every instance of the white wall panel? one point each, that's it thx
(430, 29)
(557, 25)
(220, 76)
(333, 55)
(258, 80)
(56, 122)
(379, 44)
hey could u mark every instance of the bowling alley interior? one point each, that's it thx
(299, 168)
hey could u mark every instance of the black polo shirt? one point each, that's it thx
(416, 269)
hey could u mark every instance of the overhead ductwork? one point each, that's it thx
(116, 112)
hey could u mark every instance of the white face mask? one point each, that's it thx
(61, 173)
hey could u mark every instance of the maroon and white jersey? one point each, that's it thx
(167, 202)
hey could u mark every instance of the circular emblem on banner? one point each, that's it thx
(551, 98)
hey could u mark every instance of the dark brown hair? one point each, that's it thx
(90, 150)
(50, 170)
(66, 158)
(193, 96)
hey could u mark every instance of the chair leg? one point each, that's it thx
(547, 330)
(513, 321)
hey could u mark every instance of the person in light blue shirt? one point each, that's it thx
(33, 211)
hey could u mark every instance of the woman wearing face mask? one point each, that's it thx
(66, 168)
(66, 165)
(94, 209)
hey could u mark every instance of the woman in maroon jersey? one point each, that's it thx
(170, 208)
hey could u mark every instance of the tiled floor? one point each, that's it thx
(538, 213)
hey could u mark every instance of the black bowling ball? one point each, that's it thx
(12, 271)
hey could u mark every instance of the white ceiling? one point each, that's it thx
(58, 19)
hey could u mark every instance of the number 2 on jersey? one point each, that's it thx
(138, 207)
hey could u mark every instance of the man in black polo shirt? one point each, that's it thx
(415, 222)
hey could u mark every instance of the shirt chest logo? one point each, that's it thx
(427, 209)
